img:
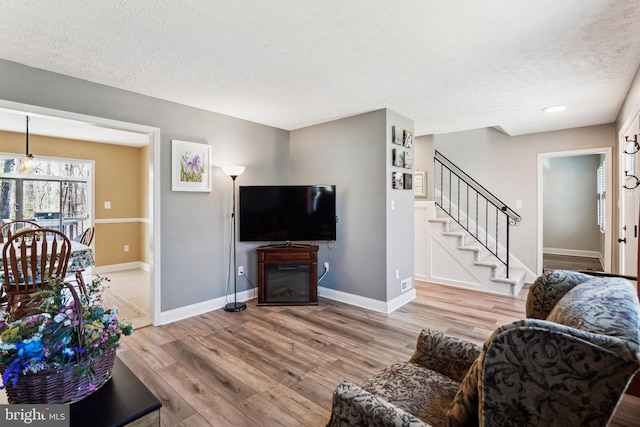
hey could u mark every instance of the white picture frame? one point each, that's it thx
(420, 184)
(190, 166)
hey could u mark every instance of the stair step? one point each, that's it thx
(454, 233)
(475, 249)
(490, 264)
(508, 281)
(516, 281)
(440, 220)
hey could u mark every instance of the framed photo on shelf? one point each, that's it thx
(190, 166)
(408, 160)
(407, 138)
(420, 184)
(397, 180)
(396, 135)
(408, 181)
(398, 157)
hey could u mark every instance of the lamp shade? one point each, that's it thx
(233, 170)
(27, 164)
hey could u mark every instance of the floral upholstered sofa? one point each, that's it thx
(567, 364)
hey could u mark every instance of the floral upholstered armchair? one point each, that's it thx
(567, 364)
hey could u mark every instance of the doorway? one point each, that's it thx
(569, 217)
(151, 136)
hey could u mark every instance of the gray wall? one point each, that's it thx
(571, 204)
(349, 153)
(507, 166)
(195, 226)
(400, 211)
(373, 241)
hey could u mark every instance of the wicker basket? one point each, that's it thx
(62, 386)
(68, 384)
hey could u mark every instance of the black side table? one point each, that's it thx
(123, 400)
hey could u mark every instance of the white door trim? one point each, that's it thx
(607, 151)
(154, 181)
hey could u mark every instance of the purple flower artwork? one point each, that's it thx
(190, 166)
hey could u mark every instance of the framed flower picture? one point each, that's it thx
(190, 166)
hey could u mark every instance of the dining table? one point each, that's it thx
(81, 257)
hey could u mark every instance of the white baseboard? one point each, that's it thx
(104, 269)
(368, 303)
(572, 252)
(218, 303)
(202, 307)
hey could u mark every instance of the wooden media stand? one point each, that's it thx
(288, 275)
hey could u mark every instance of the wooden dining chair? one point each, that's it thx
(10, 228)
(87, 236)
(30, 259)
(6, 231)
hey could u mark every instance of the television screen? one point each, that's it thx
(287, 213)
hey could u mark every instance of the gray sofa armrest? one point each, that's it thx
(535, 372)
(353, 406)
(549, 288)
(445, 354)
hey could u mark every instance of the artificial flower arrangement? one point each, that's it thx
(58, 335)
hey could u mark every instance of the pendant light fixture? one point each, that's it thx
(28, 162)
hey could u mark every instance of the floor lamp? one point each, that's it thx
(234, 172)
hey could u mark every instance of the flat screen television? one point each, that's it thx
(286, 213)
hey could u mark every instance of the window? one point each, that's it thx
(601, 195)
(55, 196)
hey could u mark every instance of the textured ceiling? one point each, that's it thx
(449, 65)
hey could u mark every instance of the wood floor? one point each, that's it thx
(567, 262)
(273, 366)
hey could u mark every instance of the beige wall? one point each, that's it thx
(121, 178)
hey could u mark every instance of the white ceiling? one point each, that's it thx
(449, 65)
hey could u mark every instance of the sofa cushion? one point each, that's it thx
(549, 288)
(424, 393)
(464, 411)
(600, 305)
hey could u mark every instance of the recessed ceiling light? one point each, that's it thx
(554, 109)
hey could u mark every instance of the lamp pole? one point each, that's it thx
(234, 172)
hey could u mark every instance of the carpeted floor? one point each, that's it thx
(130, 291)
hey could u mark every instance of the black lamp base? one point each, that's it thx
(235, 306)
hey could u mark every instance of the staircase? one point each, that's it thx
(468, 263)
(468, 235)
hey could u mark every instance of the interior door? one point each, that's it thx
(629, 198)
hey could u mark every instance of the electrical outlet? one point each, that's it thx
(126, 248)
(241, 270)
(326, 266)
(397, 273)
